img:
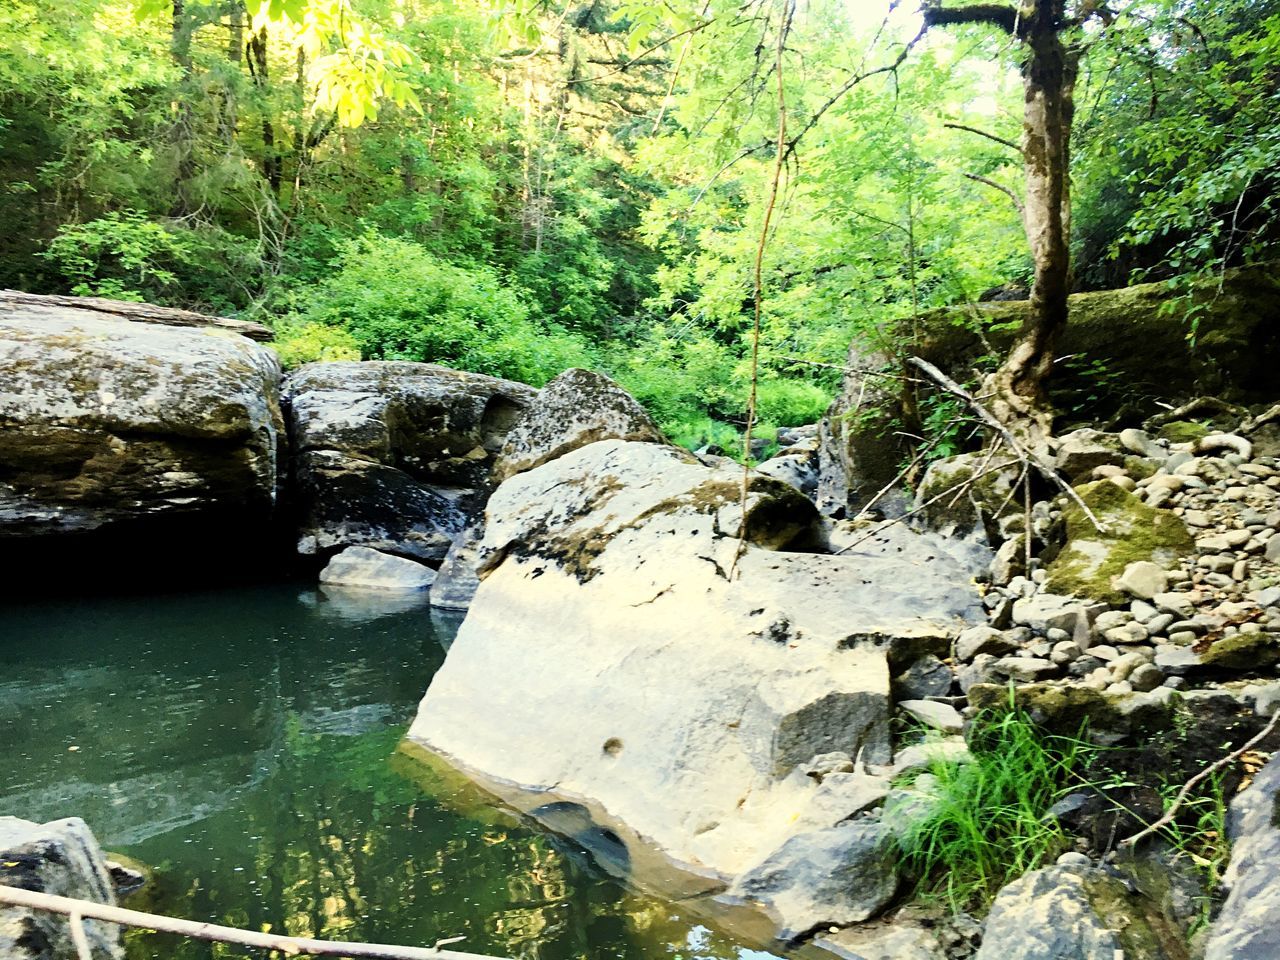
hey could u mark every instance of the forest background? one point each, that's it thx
(518, 189)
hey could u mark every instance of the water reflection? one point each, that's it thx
(244, 745)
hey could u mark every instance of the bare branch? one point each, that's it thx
(1204, 774)
(1043, 467)
(639, 58)
(290, 946)
(996, 186)
(982, 133)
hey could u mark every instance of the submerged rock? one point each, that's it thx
(61, 858)
(617, 652)
(1073, 912)
(394, 455)
(110, 421)
(370, 569)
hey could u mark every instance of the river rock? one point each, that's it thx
(394, 455)
(371, 569)
(456, 582)
(608, 576)
(968, 492)
(108, 421)
(61, 858)
(886, 941)
(1246, 928)
(1070, 912)
(797, 465)
(841, 875)
(858, 451)
(576, 408)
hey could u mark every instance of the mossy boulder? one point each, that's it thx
(1137, 337)
(970, 490)
(1066, 710)
(1092, 559)
(1243, 651)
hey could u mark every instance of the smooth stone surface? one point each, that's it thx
(605, 580)
(370, 569)
(1246, 929)
(939, 716)
(110, 421)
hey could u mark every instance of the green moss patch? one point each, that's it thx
(1091, 560)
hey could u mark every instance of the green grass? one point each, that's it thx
(988, 824)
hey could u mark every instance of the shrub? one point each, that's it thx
(397, 301)
(311, 342)
(125, 256)
(989, 821)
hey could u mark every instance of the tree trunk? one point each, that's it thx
(183, 133)
(1049, 76)
(271, 160)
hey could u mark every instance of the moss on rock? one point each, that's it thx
(1243, 651)
(1182, 431)
(1091, 560)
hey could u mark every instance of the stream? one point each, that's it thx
(242, 744)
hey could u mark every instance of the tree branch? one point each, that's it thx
(993, 14)
(1204, 774)
(982, 133)
(290, 946)
(996, 186)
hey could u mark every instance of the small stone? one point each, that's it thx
(1026, 669)
(1122, 686)
(1111, 619)
(1073, 859)
(939, 716)
(1064, 652)
(1146, 677)
(978, 640)
(1158, 623)
(1126, 664)
(1104, 651)
(1272, 552)
(1179, 604)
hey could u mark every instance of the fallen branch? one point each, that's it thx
(1198, 405)
(1203, 775)
(1249, 424)
(1046, 469)
(289, 946)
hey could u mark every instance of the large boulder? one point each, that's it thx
(1076, 913)
(576, 408)
(1137, 336)
(107, 421)
(1246, 928)
(369, 569)
(394, 455)
(859, 452)
(61, 858)
(621, 652)
(1093, 562)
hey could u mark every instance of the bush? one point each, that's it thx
(125, 256)
(311, 342)
(397, 301)
(989, 822)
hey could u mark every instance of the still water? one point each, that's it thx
(242, 744)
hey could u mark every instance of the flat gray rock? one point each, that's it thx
(368, 569)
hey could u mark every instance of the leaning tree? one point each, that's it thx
(1050, 34)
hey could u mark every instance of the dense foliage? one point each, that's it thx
(522, 189)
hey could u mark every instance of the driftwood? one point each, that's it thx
(141, 312)
(1198, 405)
(1029, 457)
(289, 946)
(1200, 777)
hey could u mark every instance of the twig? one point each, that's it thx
(997, 186)
(1027, 456)
(83, 951)
(290, 946)
(982, 133)
(1204, 774)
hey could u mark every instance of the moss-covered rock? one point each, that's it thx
(1091, 559)
(963, 492)
(1182, 431)
(1137, 336)
(1243, 651)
